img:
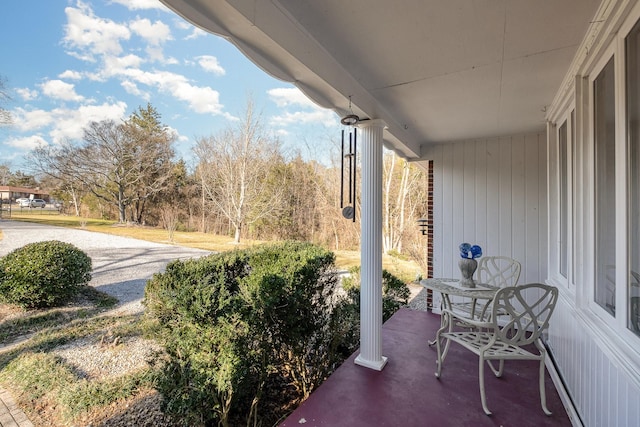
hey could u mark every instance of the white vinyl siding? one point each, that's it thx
(491, 192)
(601, 389)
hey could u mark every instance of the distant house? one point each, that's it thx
(10, 194)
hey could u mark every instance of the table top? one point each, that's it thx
(453, 287)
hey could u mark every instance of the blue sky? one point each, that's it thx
(67, 63)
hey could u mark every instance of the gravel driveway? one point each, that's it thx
(121, 265)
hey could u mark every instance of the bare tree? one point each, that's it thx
(170, 216)
(5, 173)
(234, 166)
(55, 163)
(5, 115)
(120, 164)
(404, 192)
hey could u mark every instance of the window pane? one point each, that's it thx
(633, 120)
(562, 157)
(604, 116)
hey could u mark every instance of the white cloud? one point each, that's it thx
(27, 121)
(155, 53)
(133, 89)
(155, 34)
(307, 110)
(284, 97)
(27, 94)
(90, 35)
(68, 123)
(201, 99)
(71, 75)
(142, 4)
(71, 123)
(325, 117)
(58, 89)
(211, 64)
(113, 65)
(27, 143)
(197, 32)
(182, 24)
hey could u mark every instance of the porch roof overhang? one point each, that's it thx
(433, 71)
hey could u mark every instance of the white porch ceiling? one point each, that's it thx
(435, 71)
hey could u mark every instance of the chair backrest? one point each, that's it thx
(499, 271)
(634, 293)
(521, 313)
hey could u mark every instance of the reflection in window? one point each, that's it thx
(605, 201)
(564, 200)
(633, 131)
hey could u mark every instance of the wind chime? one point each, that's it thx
(349, 157)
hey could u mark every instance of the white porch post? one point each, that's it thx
(370, 142)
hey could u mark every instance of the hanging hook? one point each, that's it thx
(350, 119)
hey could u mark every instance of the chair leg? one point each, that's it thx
(501, 369)
(496, 372)
(483, 398)
(543, 397)
(447, 324)
(441, 355)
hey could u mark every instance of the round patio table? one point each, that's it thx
(451, 287)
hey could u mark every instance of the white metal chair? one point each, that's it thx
(521, 323)
(497, 271)
(634, 307)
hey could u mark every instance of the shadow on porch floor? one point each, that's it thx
(407, 394)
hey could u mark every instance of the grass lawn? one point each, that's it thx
(402, 268)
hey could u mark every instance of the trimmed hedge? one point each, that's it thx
(43, 274)
(395, 292)
(248, 334)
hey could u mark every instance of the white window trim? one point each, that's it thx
(624, 341)
(569, 281)
(590, 187)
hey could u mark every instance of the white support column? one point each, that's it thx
(370, 142)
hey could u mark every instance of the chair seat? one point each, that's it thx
(513, 327)
(474, 310)
(477, 342)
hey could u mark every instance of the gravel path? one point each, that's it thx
(121, 268)
(121, 265)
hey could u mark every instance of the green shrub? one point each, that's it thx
(248, 333)
(43, 274)
(397, 254)
(395, 292)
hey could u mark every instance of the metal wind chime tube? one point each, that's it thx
(342, 172)
(350, 154)
(355, 168)
(349, 211)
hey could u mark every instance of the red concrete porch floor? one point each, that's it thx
(407, 394)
